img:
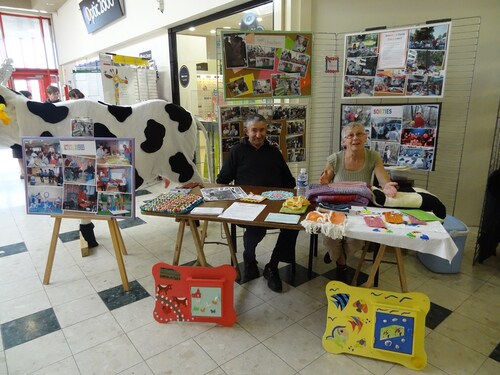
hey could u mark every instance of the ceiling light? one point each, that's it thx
(226, 27)
(259, 19)
(192, 28)
(212, 31)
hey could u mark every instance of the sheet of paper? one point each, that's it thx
(243, 211)
(283, 218)
(207, 211)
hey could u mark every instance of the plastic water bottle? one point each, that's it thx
(302, 182)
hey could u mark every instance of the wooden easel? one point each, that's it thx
(116, 237)
(376, 264)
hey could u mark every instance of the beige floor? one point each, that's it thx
(274, 334)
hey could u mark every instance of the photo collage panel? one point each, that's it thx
(286, 128)
(260, 64)
(91, 176)
(404, 135)
(392, 63)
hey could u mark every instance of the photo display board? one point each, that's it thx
(266, 65)
(286, 129)
(396, 63)
(404, 135)
(88, 176)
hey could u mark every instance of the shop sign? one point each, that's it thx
(99, 13)
(184, 76)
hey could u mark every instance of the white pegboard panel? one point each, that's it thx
(326, 102)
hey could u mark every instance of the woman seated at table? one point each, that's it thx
(353, 163)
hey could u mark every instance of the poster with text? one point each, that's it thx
(79, 176)
(266, 64)
(404, 135)
(409, 62)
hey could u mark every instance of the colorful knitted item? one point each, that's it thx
(353, 192)
(393, 217)
(374, 221)
(173, 203)
(330, 223)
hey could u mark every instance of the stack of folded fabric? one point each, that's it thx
(355, 193)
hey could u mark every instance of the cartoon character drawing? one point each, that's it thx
(114, 75)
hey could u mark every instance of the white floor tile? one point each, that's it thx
(296, 346)
(79, 310)
(92, 332)
(110, 357)
(66, 366)
(257, 360)
(264, 321)
(224, 343)
(135, 315)
(22, 306)
(186, 358)
(43, 352)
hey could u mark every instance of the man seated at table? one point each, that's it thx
(255, 162)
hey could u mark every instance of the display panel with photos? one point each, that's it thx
(396, 63)
(87, 176)
(266, 64)
(286, 128)
(404, 135)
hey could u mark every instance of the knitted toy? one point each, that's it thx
(410, 198)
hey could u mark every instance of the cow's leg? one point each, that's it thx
(87, 230)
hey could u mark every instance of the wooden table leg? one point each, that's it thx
(178, 244)
(375, 267)
(197, 243)
(113, 230)
(52, 250)
(231, 250)
(401, 269)
(360, 263)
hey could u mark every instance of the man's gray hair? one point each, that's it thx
(254, 117)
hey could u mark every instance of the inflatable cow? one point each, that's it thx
(165, 134)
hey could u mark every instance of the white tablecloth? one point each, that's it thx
(430, 239)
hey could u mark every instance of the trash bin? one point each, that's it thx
(458, 232)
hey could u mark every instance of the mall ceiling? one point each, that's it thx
(50, 6)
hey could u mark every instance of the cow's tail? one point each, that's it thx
(210, 150)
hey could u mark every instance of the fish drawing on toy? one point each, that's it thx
(340, 300)
(339, 335)
(361, 306)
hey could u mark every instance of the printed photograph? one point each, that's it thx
(44, 199)
(361, 66)
(388, 151)
(285, 84)
(295, 127)
(421, 116)
(237, 87)
(79, 169)
(356, 113)
(386, 129)
(40, 176)
(362, 45)
(231, 129)
(42, 152)
(390, 82)
(418, 158)
(429, 38)
(358, 86)
(114, 178)
(115, 204)
(231, 114)
(300, 44)
(260, 57)
(262, 87)
(227, 143)
(235, 53)
(116, 152)
(80, 198)
(418, 137)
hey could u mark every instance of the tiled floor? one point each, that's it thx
(82, 323)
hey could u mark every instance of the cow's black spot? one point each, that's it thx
(180, 115)
(48, 111)
(180, 165)
(118, 112)
(101, 130)
(46, 133)
(138, 179)
(2, 100)
(154, 132)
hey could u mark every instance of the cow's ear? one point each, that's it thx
(7, 94)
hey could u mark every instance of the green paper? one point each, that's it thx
(421, 215)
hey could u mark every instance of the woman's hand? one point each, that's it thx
(390, 189)
(324, 178)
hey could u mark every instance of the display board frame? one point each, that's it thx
(79, 176)
(405, 135)
(399, 62)
(258, 64)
